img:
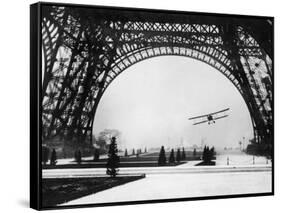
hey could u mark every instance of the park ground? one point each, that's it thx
(235, 173)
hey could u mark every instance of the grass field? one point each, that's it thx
(61, 190)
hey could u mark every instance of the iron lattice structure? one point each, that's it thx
(84, 50)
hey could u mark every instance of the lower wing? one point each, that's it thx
(220, 117)
(200, 122)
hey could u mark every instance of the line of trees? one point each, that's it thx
(180, 156)
(53, 157)
(45, 156)
(134, 152)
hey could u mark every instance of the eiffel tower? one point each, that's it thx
(85, 49)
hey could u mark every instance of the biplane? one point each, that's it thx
(210, 118)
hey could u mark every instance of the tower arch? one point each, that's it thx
(84, 50)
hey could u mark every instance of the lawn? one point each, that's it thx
(212, 163)
(61, 190)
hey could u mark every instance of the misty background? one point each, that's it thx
(150, 103)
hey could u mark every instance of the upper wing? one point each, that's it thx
(219, 111)
(201, 116)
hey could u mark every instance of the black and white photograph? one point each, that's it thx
(145, 105)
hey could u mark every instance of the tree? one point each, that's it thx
(194, 152)
(178, 157)
(45, 154)
(104, 137)
(101, 144)
(204, 155)
(133, 152)
(97, 155)
(126, 153)
(212, 153)
(208, 154)
(113, 159)
(172, 157)
(183, 156)
(53, 158)
(77, 156)
(162, 157)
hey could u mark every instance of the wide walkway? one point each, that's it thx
(166, 186)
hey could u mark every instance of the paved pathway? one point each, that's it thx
(166, 186)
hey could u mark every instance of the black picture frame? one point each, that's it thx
(36, 97)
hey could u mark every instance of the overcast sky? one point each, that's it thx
(151, 101)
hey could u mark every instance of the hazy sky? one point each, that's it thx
(151, 101)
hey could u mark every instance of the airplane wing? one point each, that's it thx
(220, 117)
(201, 116)
(201, 122)
(219, 111)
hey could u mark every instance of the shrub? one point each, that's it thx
(97, 155)
(45, 154)
(53, 158)
(183, 156)
(162, 157)
(126, 153)
(178, 157)
(172, 157)
(113, 159)
(77, 156)
(194, 152)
